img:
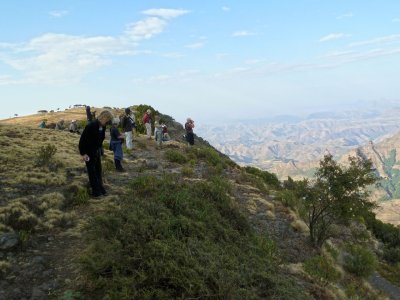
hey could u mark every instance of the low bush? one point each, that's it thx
(392, 255)
(175, 156)
(170, 239)
(17, 216)
(187, 171)
(269, 178)
(360, 261)
(76, 195)
(45, 155)
(321, 269)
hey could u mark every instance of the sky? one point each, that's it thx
(211, 60)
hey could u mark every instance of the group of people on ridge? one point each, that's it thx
(92, 138)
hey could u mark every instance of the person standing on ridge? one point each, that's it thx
(147, 123)
(157, 131)
(89, 115)
(90, 145)
(127, 127)
(189, 125)
(116, 144)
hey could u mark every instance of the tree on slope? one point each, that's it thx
(337, 195)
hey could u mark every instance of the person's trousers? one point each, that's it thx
(148, 129)
(94, 172)
(190, 138)
(128, 139)
(158, 135)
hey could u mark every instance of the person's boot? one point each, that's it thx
(118, 165)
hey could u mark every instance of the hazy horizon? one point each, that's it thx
(214, 60)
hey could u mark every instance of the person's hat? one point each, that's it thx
(73, 121)
(127, 110)
(149, 111)
(115, 120)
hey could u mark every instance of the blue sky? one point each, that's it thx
(205, 59)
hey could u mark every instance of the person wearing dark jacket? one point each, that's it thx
(189, 125)
(116, 140)
(127, 126)
(89, 115)
(90, 145)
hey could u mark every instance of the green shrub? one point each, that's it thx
(76, 195)
(170, 239)
(269, 178)
(392, 255)
(82, 124)
(187, 171)
(321, 269)
(387, 233)
(175, 156)
(45, 155)
(18, 216)
(360, 261)
(289, 198)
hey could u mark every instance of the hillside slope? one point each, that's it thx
(46, 209)
(181, 222)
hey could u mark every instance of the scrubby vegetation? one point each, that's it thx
(214, 230)
(337, 195)
(171, 239)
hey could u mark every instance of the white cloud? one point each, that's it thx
(58, 13)
(337, 54)
(378, 40)
(344, 16)
(396, 20)
(61, 58)
(145, 29)
(242, 33)
(195, 45)
(225, 8)
(165, 12)
(333, 36)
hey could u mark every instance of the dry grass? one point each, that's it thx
(45, 185)
(67, 115)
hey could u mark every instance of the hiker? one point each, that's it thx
(42, 124)
(165, 135)
(127, 127)
(147, 123)
(90, 145)
(189, 125)
(89, 115)
(116, 144)
(60, 125)
(157, 130)
(73, 127)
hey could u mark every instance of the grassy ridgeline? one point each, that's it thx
(172, 239)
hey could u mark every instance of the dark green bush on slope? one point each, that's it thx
(173, 240)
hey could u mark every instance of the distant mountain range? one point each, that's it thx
(289, 145)
(293, 146)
